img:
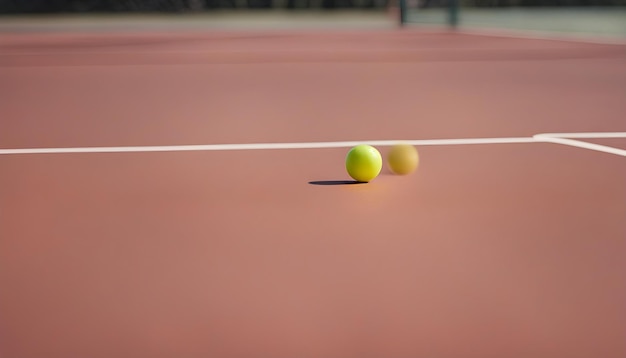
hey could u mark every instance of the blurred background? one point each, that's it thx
(579, 17)
(81, 6)
(575, 17)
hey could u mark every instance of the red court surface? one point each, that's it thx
(488, 250)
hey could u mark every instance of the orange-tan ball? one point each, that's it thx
(402, 159)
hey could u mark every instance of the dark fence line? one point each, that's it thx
(78, 6)
(51, 6)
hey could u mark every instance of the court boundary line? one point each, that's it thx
(480, 32)
(98, 51)
(566, 139)
(542, 35)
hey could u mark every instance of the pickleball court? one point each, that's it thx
(183, 194)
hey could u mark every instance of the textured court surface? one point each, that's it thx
(490, 250)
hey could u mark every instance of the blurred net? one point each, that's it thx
(581, 17)
(57, 6)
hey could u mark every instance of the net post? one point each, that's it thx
(402, 7)
(453, 13)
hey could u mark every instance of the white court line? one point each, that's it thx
(581, 144)
(587, 135)
(520, 34)
(557, 138)
(544, 35)
(263, 146)
(215, 52)
(248, 52)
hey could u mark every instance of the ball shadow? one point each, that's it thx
(335, 182)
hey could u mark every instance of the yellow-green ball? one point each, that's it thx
(364, 163)
(403, 159)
